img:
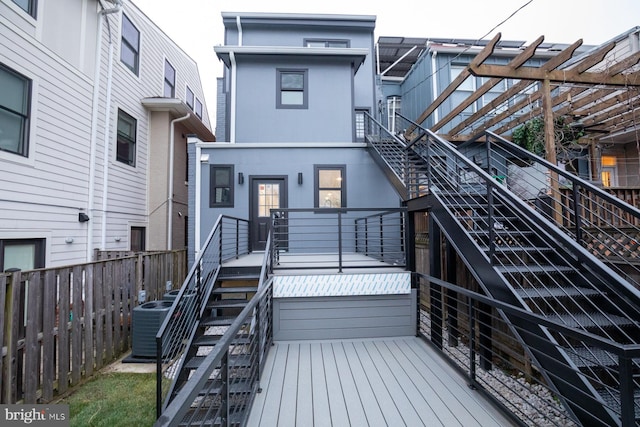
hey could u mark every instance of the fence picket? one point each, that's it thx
(31, 344)
(60, 325)
(49, 296)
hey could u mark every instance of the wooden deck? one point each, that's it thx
(371, 382)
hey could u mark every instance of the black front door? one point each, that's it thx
(266, 193)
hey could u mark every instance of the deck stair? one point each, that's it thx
(521, 258)
(232, 291)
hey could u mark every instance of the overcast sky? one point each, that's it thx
(196, 25)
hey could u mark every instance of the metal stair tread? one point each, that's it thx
(197, 418)
(590, 320)
(236, 386)
(591, 357)
(227, 303)
(209, 340)
(507, 248)
(218, 321)
(233, 289)
(235, 361)
(611, 398)
(556, 292)
(533, 269)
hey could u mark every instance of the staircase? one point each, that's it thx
(522, 258)
(232, 291)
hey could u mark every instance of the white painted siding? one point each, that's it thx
(42, 194)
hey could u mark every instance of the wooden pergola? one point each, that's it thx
(597, 92)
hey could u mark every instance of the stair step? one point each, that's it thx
(556, 292)
(589, 357)
(218, 321)
(200, 418)
(611, 398)
(212, 340)
(519, 249)
(238, 277)
(235, 361)
(227, 303)
(534, 269)
(237, 386)
(235, 290)
(591, 320)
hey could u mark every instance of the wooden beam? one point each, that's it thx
(556, 76)
(478, 59)
(516, 62)
(593, 59)
(551, 64)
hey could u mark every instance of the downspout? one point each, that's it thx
(198, 172)
(239, 25)
(105, 159)
(232, 131)
(434, 84)
(170, 186)
(94, 119)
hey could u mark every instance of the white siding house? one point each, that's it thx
(78, 79)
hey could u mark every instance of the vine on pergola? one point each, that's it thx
(530, 135)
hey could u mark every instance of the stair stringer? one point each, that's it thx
(537, 339)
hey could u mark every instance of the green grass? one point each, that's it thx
(114, 399)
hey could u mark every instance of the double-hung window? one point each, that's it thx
(130, 46)
(29, 6)
(14, 112)
(126, 142)
(330, 186)
(169, 80)
(220, 186)
(292, 90)
(190, 97)
(198, 109)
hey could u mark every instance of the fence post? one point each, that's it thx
(139, 277)
(12, 319)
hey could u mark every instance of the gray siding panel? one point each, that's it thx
(344, 317)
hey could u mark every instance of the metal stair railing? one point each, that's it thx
(605, 225)
(222, 389)
(532, 264)
(228, 238)
(513, 385)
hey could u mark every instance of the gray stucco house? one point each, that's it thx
(290, 120)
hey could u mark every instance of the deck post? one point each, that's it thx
(435, 292)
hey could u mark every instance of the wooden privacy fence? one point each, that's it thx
(62, 324)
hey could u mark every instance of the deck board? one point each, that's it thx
(366, 382)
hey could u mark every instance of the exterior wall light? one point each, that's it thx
(83, 217)
(299, 178)
(240, 178)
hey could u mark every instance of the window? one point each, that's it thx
(198, 108)
(14, 111)
(326, 43)
(609, 172)
(292, 89)
(25, 254)
(28, 6)
(126, 143)
(130, 46)
(221, 186)
(360, 123)
(330, 185)
(394, 106)
(464, 90)
(190, 97)
(138, 239)
(169, 80)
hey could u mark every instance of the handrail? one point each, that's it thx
(260, 305)
(598, 221)
(512, 386)
(336, 236)
(178, 326)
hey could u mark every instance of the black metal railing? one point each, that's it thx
(228, 239)
(348, 238)
(222, 389)
(506, 375)
(605, 225)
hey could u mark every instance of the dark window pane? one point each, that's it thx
(292, 81)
